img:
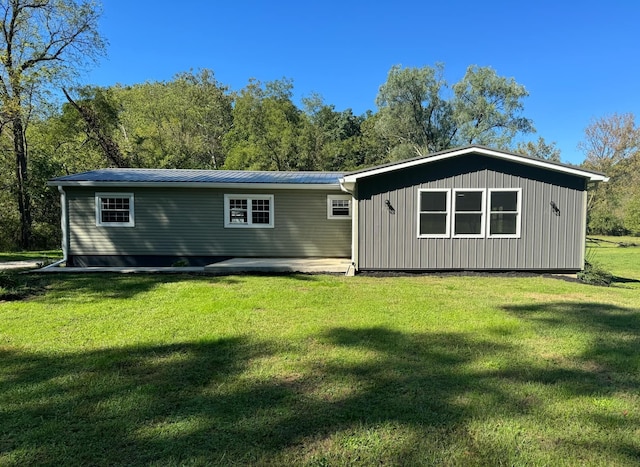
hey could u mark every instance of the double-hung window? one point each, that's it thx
(468, 213)
(114, 210)
(504, 213)
(338, 207)
(254, 211)
(434, 207)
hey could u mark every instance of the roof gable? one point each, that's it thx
(352, 177)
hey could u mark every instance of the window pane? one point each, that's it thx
(340, 207)
(468, 201)
(238, 216)
(468, 224)
(433, 224)
(260, 217)
(504, 201)
(503, 224)
(433, 201)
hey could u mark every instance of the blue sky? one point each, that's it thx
(579, 60)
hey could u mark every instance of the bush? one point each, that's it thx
(595, 274)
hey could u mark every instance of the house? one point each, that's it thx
(470, 208)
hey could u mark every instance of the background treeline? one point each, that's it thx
(194, 121)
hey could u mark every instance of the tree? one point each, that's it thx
(416, 113)
(487, 108)
(612, 146)
(266, 129)
(413, 111)
(42, 43)
(540, 149)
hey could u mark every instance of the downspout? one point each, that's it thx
(352, 190)
(64, 224)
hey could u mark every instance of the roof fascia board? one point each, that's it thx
(258, 186)
(594, 177)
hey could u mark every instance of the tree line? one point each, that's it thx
(51, 127)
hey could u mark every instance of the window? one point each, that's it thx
(248, 211)
(468, 212)
(114, 210)
(433, 213)
(338, 207)
(504, 213)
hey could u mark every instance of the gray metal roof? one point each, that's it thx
(174, 176)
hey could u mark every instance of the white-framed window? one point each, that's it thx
(338, 206)
(468, 213)
(434, 206)
(248, 211)
(115, 210)
(504, 207)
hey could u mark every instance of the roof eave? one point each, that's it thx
(591, 176)
(245, 185)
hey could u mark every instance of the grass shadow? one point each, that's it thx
(215, 402)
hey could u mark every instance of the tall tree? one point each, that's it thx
(266, 129)
(488, 108)
(413, 111)
(42, 43)
(612, 146)
(422, 114)
(540, 149)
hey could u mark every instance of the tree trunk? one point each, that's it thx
(24, 201)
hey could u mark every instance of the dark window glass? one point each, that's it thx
(468, 224)
(433, 224)
(340, 207)
(503, 224)
(504, 201)
(433, 201)
(238, 211)
(260, 211)
(468, 201)
(114, 210)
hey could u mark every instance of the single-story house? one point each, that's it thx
(470, 208)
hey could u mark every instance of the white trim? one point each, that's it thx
(482, 212)
(594, 177)
(447, 234)
(355, 254)
(249, 224)
(64, 223)
(518, 212)
(331, 198)
(106, 194)
(245, 186)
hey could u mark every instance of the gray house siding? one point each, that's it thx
(179, 222)
(388, 239)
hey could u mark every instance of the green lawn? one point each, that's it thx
(30, 255)
(323, 370)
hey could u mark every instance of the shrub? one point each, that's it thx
(595, 274)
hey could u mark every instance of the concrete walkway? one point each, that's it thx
(29, 264)
(231, 266)
(306, 265)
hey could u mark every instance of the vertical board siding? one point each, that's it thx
(547, 242)
(178, 221)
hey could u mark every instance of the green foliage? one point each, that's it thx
(540, 149)
(612, 146)
(418, 117)
(595, 274)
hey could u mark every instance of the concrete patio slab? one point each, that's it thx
(305, 265)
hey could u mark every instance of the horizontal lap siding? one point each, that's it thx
(388, 238)
(190, 222)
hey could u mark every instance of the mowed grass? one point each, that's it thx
(322, 370)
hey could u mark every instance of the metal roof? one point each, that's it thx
(194, 177)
